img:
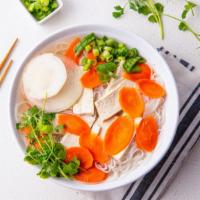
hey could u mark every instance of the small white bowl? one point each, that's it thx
(171, 104)
(60, 5)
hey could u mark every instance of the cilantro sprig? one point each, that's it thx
(183, 24)
(119, 11)
(152, 10)
(43, 150)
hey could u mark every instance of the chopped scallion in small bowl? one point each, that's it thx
(41, 10)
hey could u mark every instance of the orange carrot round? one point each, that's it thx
(70, 53)
(147, 134)
(131, 102)
(91, 56)
(26, 131)
(90, 79)
(82, 154)
(145, 73)
(119, 135)
(92, 175)
(73, 124)
(151, 89)
(95, 144)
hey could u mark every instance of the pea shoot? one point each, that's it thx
(43, 150)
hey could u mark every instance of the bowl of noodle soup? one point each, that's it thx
(136, 159)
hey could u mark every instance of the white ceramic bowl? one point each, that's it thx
(171, 104)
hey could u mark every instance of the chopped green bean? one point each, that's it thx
(84, 42)
(131, 63)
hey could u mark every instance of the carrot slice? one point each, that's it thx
(92, 175)
(70, 53)
(73, 124)
(147, 134)
(26, 131)
(119, 135)
(91, 56)
(151, 89)
(144, 74)
(131, 102)
(90, 79)
(82, 154)
(95, 144)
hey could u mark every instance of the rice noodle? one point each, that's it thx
(60, 48)
(132, 158)
(18, 111)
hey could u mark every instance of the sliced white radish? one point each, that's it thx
(70, 140)
(44, 76)
(67, 97)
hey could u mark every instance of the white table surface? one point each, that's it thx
(17, 179)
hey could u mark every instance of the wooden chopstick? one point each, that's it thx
(8, 54)
(5, 71)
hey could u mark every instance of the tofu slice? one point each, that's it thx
(108, 105)
(96, 128)
(90, 119)
(85, 104)
(115, 81)
(70, 140)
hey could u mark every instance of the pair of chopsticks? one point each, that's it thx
(4, 61)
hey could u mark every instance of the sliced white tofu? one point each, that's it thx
(115, 81)
(90, 119)
(70, 140)
(44, 76)
(85, 105)
(68, 95)
(108, 105)
(96, 128)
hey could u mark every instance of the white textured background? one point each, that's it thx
(17, 179)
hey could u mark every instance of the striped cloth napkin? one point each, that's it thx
(151, 186)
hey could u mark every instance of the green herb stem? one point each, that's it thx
(195, 34)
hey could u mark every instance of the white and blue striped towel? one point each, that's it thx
(151, 186)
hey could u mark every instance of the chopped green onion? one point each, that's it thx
(95, 51)
(133, 52)
(40, 8)
(100, 42)
(88, 48)
(121, 45)
(109, 58)
(108, 48)
(111, 42)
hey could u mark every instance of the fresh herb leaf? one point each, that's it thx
(183, 26)
(153, 11)
(119, 11)
(107, 71)
(43, 150)
(152, 19)
(189, 6)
